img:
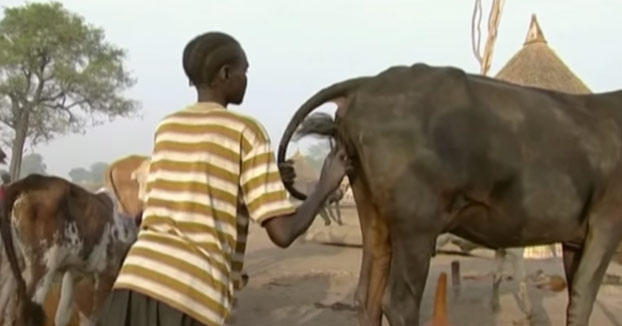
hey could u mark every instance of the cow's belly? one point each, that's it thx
(500, 231)
(538, 208)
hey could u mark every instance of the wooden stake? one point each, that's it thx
(455, 277)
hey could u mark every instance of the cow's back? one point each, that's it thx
(536, 155)
(465, 127)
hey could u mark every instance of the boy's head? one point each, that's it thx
(216, 61)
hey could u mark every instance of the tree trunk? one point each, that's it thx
(21, 131)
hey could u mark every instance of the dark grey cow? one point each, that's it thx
(436, 150)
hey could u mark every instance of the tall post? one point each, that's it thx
(455, 278)
(485, 58)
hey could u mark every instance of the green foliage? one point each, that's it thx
(33, 164)
(57, 75)
(92, 178)
(97, 172)
(80, 175)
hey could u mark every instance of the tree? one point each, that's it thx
(31, 164)
(80, 175)
(92, 178)
(57, 75)
(97, 172)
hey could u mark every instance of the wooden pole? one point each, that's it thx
(494, 17)
(439, 317)
(455, 277)
(493, 25)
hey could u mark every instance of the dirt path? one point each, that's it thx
(312, 285)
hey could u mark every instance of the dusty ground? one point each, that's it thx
(297, 286)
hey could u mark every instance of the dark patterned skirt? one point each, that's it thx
(129, 308)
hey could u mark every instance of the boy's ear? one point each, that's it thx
(224, 72)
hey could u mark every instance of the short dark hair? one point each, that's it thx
(207, 53)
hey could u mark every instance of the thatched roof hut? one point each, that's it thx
(537, 65)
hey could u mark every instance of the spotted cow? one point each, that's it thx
(61, 231)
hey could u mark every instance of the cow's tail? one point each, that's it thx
(439, 316)
(31, 314)
(319, 124)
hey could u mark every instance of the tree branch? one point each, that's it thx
(63, 106)
(61, 94)
(72, 118)
(45, 60)
(28, 75)
(15, 108)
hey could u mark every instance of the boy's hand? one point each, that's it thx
(288, 174)
(336, 166)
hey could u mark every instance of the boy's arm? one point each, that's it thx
(266, 197)
(284, 229)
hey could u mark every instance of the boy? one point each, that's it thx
(206, 160)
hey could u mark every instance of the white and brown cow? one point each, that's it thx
(125, 178)
(61, 230)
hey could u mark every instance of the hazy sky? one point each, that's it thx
(296, 48)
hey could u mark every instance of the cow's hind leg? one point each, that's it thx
(410, 260)
(415, 225)
(375, 260)
(64, 309)
(8, 289)
(102, 289)
(38, 282)
(604, 233)
(338, 213)
(324, 215)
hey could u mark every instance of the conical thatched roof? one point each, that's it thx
(537, 65)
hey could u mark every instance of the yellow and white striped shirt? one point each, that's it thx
(191, 245)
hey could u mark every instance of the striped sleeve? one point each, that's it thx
(262, 188)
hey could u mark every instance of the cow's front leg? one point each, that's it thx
(604, 234)
(375, 260)
(64, 309)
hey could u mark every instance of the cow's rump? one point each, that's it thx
(63, 231)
